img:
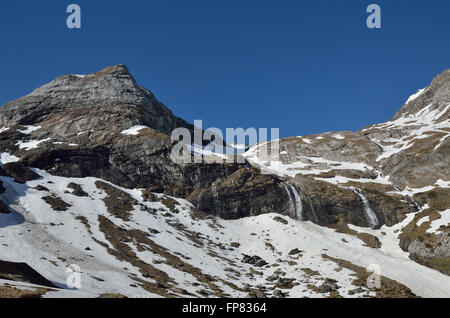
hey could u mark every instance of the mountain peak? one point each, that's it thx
(112, 81)
(111, 91)
(115, 70)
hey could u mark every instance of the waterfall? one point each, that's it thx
(291, 201)
(298, 203)
(315, 218)
(296, 207)
(215, 195)
(214, 192)
(418, 207)
(371, 217)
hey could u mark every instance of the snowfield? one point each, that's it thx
(49, 240)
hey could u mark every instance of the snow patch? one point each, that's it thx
(29, 130)
(443, 221)
(7, 158)
(423, 220)
(133, 131)
(32, 144)
(414, 96)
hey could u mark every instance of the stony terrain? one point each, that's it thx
(87, 178)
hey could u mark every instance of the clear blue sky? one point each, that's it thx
(303, 66)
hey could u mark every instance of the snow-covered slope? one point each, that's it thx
(162, 246)
(398, 167)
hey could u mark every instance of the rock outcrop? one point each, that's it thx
(109, 98)
(78, 127)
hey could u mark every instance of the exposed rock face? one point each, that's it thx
(22, 272)
(79, 124)
(244, 193)
(18, 171)
(437, 95)
(352, 147)
(110, 98)
(81, 119)
(325, 203)
(390, 165)
(415, 140)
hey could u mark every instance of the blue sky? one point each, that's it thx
(303, 66)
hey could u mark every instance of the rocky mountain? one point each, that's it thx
(112, 93)
(87, 179)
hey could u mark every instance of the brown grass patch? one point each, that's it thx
(77, 190)
(118, 203)
(163, 285)
(9, 291)
(368, 239)
(389, 288)
(56, 203)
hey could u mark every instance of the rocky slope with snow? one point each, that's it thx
(395, 169)
(87, 179)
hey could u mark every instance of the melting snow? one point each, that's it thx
(414, 96)
(31, 239)
(7, 158)
(443, 221)
(30, 129)
(32, 144)
(423, 220)
(134, 131)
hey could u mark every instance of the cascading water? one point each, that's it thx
(418, 207)
(296, 207)
(297, 203)
(215, 195)
(371, 217)
(291, 201)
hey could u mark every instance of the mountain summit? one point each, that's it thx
(108, 94)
